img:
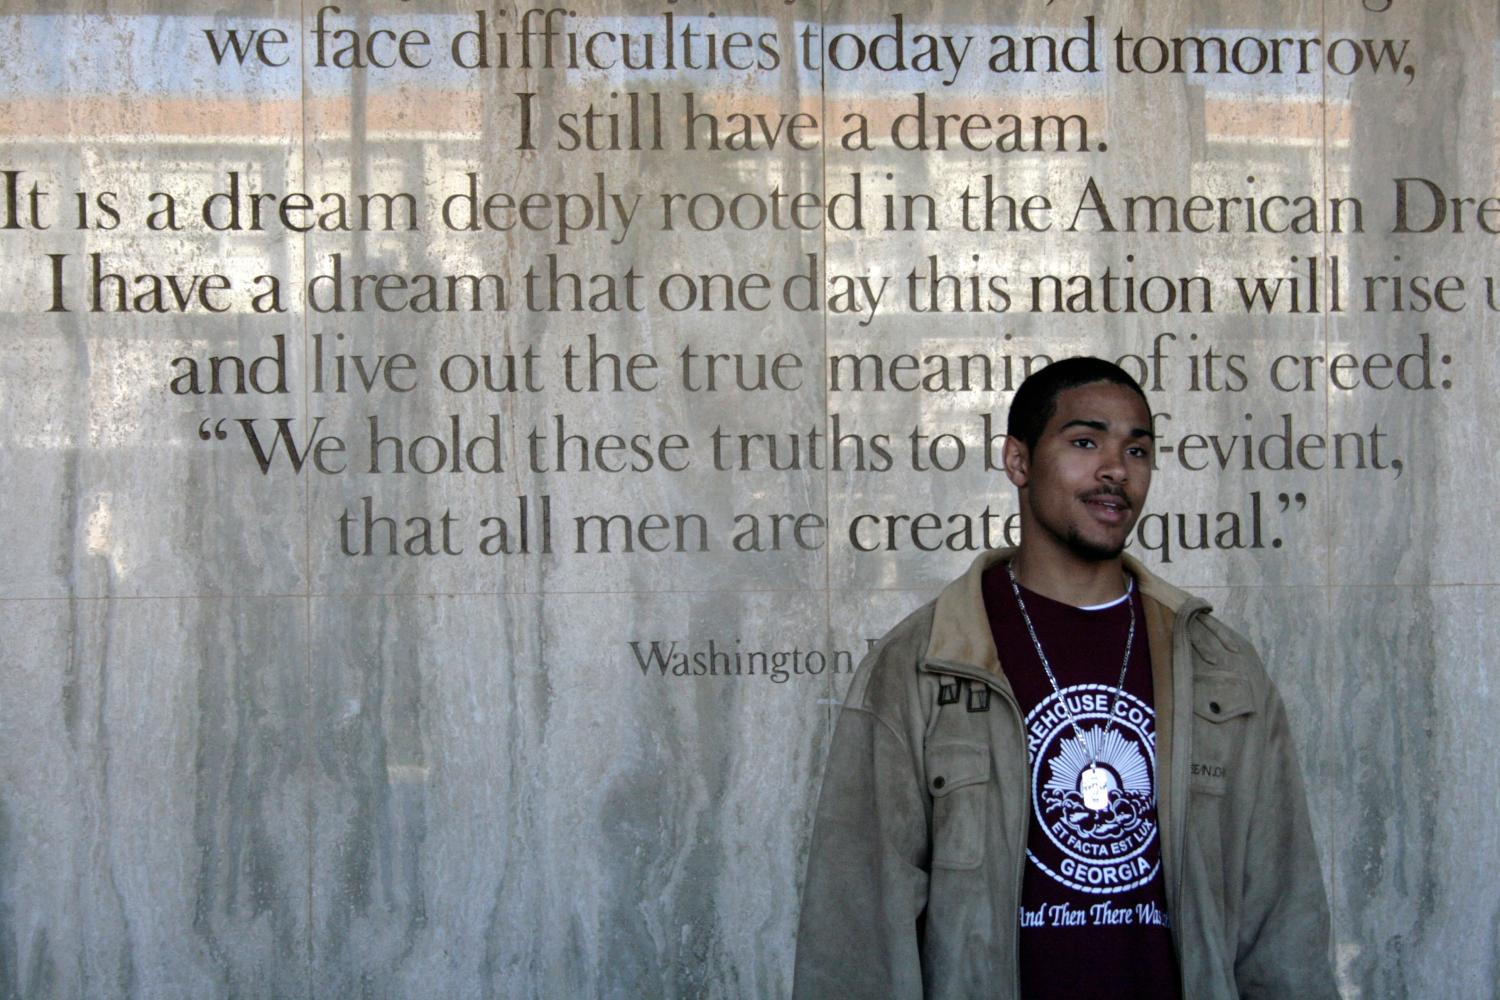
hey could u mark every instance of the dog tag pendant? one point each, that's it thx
(1095, 788)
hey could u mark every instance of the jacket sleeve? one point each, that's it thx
(866, 885)
(1284, 927)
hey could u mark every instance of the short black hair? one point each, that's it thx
(1036, 400)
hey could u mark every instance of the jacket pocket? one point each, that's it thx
(1222, 704)
(958, 775)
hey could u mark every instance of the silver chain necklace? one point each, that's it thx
(1094, 782)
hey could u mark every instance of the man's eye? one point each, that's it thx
(1083, 442)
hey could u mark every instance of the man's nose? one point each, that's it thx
(1112, 467)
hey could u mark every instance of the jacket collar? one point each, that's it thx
(961, 628)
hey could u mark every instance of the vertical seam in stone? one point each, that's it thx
(1326, 313)
(1330, 548)
(309, 707)
(829, 708)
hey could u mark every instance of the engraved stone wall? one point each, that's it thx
(454, 456)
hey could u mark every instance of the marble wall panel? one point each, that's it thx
(1416, 524)
(153, 807)
(1410, 678)
(423, 771)
(98, 446)
(508, 803)
(114, 491)
(424, 134)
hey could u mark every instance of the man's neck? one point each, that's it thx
(1074, 581)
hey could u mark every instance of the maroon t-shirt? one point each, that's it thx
(1094, 919)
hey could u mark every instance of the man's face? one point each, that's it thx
(1086, 480)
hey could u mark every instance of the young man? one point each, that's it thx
(1064, 778)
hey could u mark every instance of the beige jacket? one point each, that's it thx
(914, 877)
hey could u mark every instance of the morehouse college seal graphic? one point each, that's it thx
(1103, 850)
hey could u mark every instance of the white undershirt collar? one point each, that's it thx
(1129, 586)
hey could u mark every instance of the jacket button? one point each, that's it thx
(938, 782)
(1213, 707)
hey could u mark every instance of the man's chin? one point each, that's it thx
(1094, 551)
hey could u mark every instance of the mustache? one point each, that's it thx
(1113, 492)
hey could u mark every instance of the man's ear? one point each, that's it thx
(1017, 459)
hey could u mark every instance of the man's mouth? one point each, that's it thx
(1108, 506)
